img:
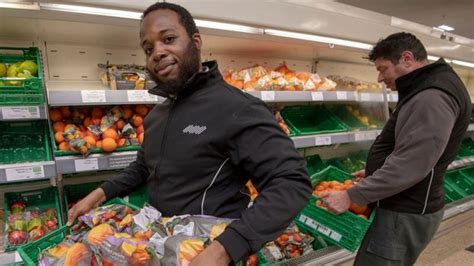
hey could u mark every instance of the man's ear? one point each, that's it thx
(197, 40)
(407, 58)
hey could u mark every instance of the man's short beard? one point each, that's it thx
(187, 68)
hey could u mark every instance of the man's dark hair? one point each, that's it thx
(185, 17)
(392, 47)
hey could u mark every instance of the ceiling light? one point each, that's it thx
(438, 29)
(91, 10)
(463, 63)
(32, 6)
(446, 27)
(433, 58)
(321, 39)
(227, 26)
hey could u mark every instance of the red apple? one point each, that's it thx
(17, 207)
(52, 224)
(36, 233)
(17, 237)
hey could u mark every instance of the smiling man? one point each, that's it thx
(407, 162)
(204, 143)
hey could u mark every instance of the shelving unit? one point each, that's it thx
(78, 85)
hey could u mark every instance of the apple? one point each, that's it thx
(17, 237)
(17, 207)
(34, 223)
(36, 233)
(52, 224)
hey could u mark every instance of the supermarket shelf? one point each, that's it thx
(464, 162)
(104, 97)
(15, 113)
(458, 207)
(95, 162)
(335, 138)
(317, 96)
(470, 128)
(27, 171)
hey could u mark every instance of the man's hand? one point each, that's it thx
(91, 201)
(214, 255)
(336, 201)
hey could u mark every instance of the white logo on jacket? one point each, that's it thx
(192, 129)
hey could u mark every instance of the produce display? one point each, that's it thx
(259, 78)
(352, 84)
(27, 224)
(290, 244)
(124, 77)
(20, 69)
(364, 117)
(99, 129)
(352, 163)
(116, 235)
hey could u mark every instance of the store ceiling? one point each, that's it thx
(458, 14)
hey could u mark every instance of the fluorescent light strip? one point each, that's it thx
(92, 10)
(463, 63)
(321, 39)
(446, 27)
(438, 29)
(433, 58)
(32, 6)
(227, 26)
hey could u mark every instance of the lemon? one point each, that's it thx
(3, 70)
(28, 67)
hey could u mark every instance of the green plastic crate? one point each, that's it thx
(312, 120)
(30, 91)
(464, 181)
(318, 243)
(345, 230)
(139, 197)
(76, 192)
(451, 191)
(314, 164)
(22, 142)
(348, 118)
(59, 153)
(42, 199)
(29, 252)
(352, 163)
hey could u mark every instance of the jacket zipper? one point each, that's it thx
(163, 140)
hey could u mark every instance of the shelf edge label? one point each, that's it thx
(93, 96)
(24, 173)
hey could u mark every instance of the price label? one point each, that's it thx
(86, 164)
(267, 96)
(341, 95)
(364, 97)
(324, 230)
(336, 236)
(141, 96)
(24, 173)
(93, 96)
(317, 96)
(371, 135)
(323, 140)
(360, 136)
(20, 112)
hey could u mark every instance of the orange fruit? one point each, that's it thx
(55, 115)
(98, 144)
(141, 110)
(87, 121)
(120, 124)
(137, 120)
(127, 112)
(121, 142)
(63, 146)
(90, 134)
(58, 136)
(97, 112)
(58, 126)
(96, 121)
(68, 126)
(65, 111)
(109, 144)
(90, 140)
(110, 133)
(358, 209)
(141, 137)
(140, 129)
